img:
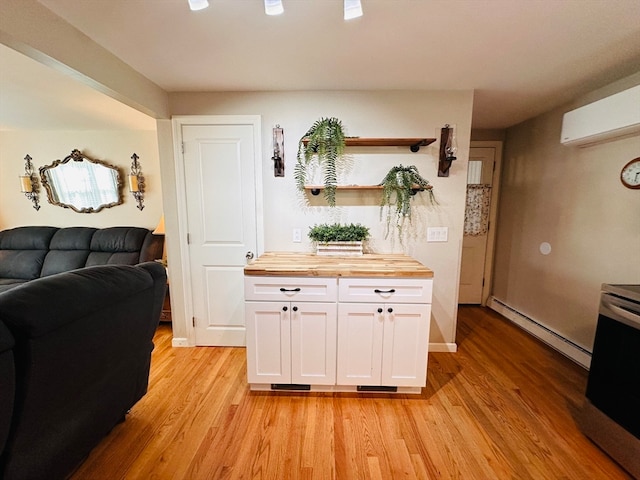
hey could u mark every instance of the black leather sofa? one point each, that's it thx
(31, 252)
(75, 352)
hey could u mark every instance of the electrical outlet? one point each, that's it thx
(437, 234)
(297, 235)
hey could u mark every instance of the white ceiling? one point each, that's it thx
(521, 57)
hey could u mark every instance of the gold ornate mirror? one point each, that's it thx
(82, 184)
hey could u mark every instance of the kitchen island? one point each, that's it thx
(324, 323)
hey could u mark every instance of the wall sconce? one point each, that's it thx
(136, 181)
(278, 151)
(448, 149)
(29, 183)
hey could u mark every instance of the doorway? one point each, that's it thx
(480, 219)
(222, 193)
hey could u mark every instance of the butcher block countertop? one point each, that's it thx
(292, 264)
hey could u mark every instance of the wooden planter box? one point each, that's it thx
(343, 249)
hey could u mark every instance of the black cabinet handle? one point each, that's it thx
(282, 289)
(392, 290)
(379, 310)
(284, 309)
(390, 310)
(295, 309)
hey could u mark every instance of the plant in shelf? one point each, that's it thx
(337, 239)
(325, 140)
(399, 186)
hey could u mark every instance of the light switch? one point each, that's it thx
(437, 234)
(297, 235)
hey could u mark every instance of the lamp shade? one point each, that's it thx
(160, 228)
(26, 185)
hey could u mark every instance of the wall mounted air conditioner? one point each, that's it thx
(605, 119)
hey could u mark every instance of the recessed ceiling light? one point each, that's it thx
(198, 4)
(352, 9)
(273, 7)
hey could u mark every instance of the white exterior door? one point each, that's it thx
(221, 184)
(474, 246)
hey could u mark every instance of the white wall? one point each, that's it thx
(573, 199)
(113, 147)
(365, 114)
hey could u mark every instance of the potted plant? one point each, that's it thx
(325, 140)
(399, 186)
(337, 239)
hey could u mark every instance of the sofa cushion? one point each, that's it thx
(23, 250)
(69, 249)
(116, 245)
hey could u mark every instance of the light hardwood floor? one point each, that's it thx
(502, 407)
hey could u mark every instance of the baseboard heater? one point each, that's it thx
(376, 388)
(552, 338)
(289, 386)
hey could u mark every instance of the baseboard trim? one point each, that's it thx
(443, 347)
(543, 333)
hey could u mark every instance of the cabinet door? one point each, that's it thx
(313, 343)
(268, 342)
(360, 330)
(405, 345)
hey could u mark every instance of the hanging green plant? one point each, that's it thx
(326, 141)
(399, 186)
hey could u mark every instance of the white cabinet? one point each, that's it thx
(337, 333)
(383, 332)
(290, 339)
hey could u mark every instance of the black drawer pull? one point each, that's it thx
(282, 289)
(392, 290)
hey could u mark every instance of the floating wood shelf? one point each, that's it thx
(316, 189)
(414, 144)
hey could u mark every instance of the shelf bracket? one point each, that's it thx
(416, 146)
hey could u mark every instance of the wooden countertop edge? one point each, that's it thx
(269, 264)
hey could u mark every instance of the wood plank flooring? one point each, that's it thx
(502, 407)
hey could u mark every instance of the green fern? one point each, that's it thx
(326, 140)
(398, 188)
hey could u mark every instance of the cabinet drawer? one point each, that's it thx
(258, 288)
(385, 290)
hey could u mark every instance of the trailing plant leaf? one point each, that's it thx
(338, 233)
(398, 188)
(326, 141)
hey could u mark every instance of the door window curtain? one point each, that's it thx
(476, 214)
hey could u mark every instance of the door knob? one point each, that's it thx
(249, 255)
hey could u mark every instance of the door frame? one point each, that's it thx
(178, 122)
(493, 214)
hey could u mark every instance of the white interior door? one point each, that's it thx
(474, 243)
(220, 183)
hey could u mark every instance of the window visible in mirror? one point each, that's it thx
(82, 184)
